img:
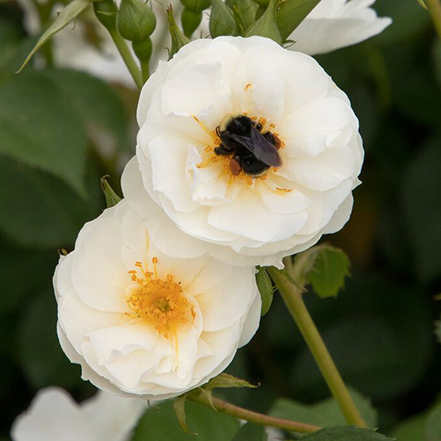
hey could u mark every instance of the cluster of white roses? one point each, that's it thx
(160, 290)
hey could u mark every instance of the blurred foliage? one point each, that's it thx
(61, 131)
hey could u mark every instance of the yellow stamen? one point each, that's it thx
(202, 125)
(159, 301)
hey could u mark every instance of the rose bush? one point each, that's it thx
(142, 323)
(193, 193)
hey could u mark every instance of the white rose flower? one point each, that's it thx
(54, 416)
(334, 24)
(216, 205)
(142, 323)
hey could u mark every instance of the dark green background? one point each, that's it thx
(380, 330)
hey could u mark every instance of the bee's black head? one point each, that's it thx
(240, 125)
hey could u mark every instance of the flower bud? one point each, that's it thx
(143, 49)
(106, 12)
(267, 26)
(135, 20)
(196, 5)
(177, 37)
(222, 21)
(190, 21)
(245, 9)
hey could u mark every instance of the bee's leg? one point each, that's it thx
(222, 151)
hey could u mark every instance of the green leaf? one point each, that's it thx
(436, 57)
(433, 425)
(423, 5)
(411, 430)
(39, 126)
(291, 13)
(374, 348)
(39, 267)
(97, 103)
(265, 288)
(226, 381)
(422, 203)
(324, 267)
(111, 197)
(72, 10)
(251, 432)
(160, 424)
(409, 20)
(326, 413)
(330, 270)
(40, 354)
(267, 26)
(43, 211)
(179, 408)
(346, 434)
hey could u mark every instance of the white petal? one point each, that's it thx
(326, 171)
(78, 320)
(247, 216)
(252, 320)
(227, 302)
(334, 24)
(169, 157)
(119, 341)
(103, 286)
(163, 232)
(316, 127)
(53, 416)
(325, 205)
(112, 417)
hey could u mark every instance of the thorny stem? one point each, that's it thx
(249, 415)
(292, 296)
(129, 61)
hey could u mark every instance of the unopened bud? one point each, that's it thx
(196, 5)
(105, 12)
(267, 26)
(177, 37)
(136, 21)
(222, 21)
(190, 21)
(143, 49)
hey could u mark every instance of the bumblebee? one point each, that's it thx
(250, 150)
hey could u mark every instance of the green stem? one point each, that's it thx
(145, 69)
(292, 296)
(435, 12)
(130, 62)
(249, 415)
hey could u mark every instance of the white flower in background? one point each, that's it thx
(217, 206)
(142, 323)
(54, 416)
(73, 48)
(334, 24)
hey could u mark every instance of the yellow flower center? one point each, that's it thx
(159, 301)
